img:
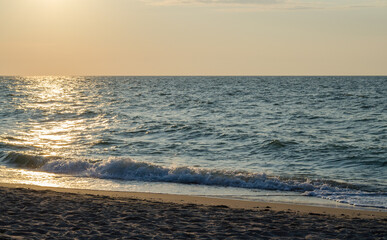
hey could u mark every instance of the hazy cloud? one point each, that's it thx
(252, 5)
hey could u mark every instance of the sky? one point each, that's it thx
(193, 37)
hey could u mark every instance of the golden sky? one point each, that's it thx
(193, 37)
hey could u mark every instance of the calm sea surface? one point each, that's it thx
(283, 138)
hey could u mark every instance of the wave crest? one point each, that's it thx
(23, 160)
(128, 169)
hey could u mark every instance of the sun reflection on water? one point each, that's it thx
(50, 121)
(57, 135)
(56, 122)
(38, 178)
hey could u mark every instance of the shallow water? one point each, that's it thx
(322, 137)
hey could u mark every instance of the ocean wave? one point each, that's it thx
(128, 169)
(131, 170)
(21, 160)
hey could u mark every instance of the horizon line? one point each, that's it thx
(209, 75)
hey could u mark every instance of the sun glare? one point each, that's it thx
(51, 96)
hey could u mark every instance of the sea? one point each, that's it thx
(318, 140)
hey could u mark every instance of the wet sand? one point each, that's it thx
(31, 212)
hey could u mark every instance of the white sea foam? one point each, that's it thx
(129, 169)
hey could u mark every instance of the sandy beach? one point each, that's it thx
(32, 212)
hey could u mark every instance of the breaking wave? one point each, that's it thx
(22, 160)
(131, 170)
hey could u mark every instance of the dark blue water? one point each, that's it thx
(319, 136)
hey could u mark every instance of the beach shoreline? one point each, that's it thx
(213, 201)
(35, 212)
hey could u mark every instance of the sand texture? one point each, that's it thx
(34, 213)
